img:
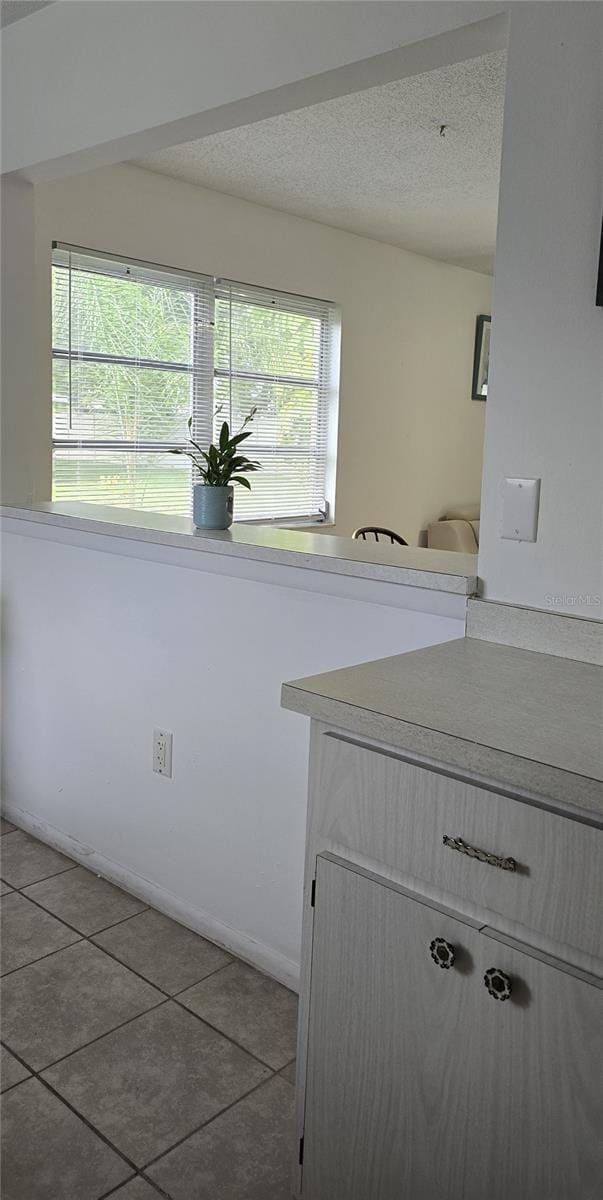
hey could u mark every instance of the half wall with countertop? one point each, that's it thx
(110, 630)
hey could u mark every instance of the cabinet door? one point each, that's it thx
(420, 1085)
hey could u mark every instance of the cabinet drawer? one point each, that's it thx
(398, 814)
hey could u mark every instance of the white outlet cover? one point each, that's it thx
(162, 752)
(521, 498)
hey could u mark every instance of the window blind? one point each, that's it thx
(275, 352)
(139, 349)
(132, 350)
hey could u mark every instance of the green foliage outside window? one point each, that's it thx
(124, 402)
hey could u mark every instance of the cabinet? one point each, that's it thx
(455, 793)
(419, 1084)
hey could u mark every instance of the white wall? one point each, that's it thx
(86, 82)
(410, 437)
(100, 647)
(545, 403)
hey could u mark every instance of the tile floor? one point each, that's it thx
(138, 1059)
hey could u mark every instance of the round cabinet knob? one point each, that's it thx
(497, 984)
(442, 952)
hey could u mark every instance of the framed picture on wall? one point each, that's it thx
(481, 358)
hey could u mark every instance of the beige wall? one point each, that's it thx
(410, 437)
(24, 420)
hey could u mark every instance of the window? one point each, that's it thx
(137, 350)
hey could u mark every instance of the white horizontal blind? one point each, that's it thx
(274, 351)
(138, 349)
(132, 353)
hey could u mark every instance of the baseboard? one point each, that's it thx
(257, 954)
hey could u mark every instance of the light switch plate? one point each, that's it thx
(521, 499)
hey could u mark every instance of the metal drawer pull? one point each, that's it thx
(497, 984)
(493, 860)
(442, 953)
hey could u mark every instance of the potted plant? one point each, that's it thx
(219, 468)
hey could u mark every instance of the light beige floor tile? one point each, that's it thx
(52, 1007)
(149, 1084)
(85, 901)
(245, 1154)
(256, 1012)
(11, 1070)
(49, 1154)
(166, 953)
(23, 860)
(29, 933)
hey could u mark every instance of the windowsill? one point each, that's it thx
(292, 523)
(410, 566)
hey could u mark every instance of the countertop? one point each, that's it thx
(411, 566)
(531, 723)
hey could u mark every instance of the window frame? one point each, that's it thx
(203, 380)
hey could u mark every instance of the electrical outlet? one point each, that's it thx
(162, 752)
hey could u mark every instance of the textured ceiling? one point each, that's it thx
(14, 10)
(374, 163)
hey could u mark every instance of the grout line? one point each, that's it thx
(155, 1188)
(122, 920)
(143, 978)
(228, 1036)
(18, 887)
(153, 1183)
(166, 997)
(42, 957)
(174, 998)
(36, 1075)
(204, 1124)
(113, 1190)
(85, 1120)
(115, 1028)
(19, 1059)
(11, 1087)
(210, 974)
(87, 936)
(37, 1071)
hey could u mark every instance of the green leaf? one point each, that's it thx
(198, 448)
(240, 437)
(198, 466)
(224, 436)
(241, 479)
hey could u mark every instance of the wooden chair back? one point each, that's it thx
(377, 531)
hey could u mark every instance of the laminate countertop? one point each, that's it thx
(529, 723)
(410, 566)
